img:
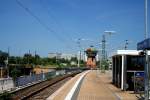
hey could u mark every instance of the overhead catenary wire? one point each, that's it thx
(50, 14)
(42, 23)
(57, 22)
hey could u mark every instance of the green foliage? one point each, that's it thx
(74, 59)
(3, 57)
(5, 96)
(26, 59)
(15, 73)
(37, 60)
(48, 61)
(104, 64)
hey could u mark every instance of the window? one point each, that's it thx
(135, 62)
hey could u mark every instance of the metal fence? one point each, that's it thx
(24, 80)
(8, 83)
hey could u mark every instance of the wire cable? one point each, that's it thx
(42, 23)
(49, 12)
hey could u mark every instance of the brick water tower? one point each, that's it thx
(91, 57)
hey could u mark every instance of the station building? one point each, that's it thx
(127, 65)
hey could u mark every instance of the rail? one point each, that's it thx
(30, 91)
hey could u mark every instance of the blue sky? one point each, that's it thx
(69, 20)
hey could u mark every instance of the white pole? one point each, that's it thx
(79, 56)
(122, 76)
(7, 64)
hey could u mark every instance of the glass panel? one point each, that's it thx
(135, 63)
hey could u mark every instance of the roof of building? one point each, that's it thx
(128, 52)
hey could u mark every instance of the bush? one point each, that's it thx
(5, 96)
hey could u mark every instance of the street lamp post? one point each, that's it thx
(79, 57)
(147, 68)
(7, 64)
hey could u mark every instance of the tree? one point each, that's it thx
(5, 96)
(3, 57)
(74, 59)
(37, 60)
(12, 60)
(14, 74)
(28, 58)
(104, 65)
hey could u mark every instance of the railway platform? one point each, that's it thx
(91, 85)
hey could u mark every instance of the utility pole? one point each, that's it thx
(103, 53)
(100, 59)
(147, 77)
(104, 57)
(35, 56)
(146, 31)
(7, 63)
(147, 68)
(28, 57)
(79, 57)
(103, 47)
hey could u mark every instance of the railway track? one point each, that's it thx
(42, 90)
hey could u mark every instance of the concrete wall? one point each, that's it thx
(6, 84)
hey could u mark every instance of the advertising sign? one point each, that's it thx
(139, 74)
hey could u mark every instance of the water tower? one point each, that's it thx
(91, 57)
